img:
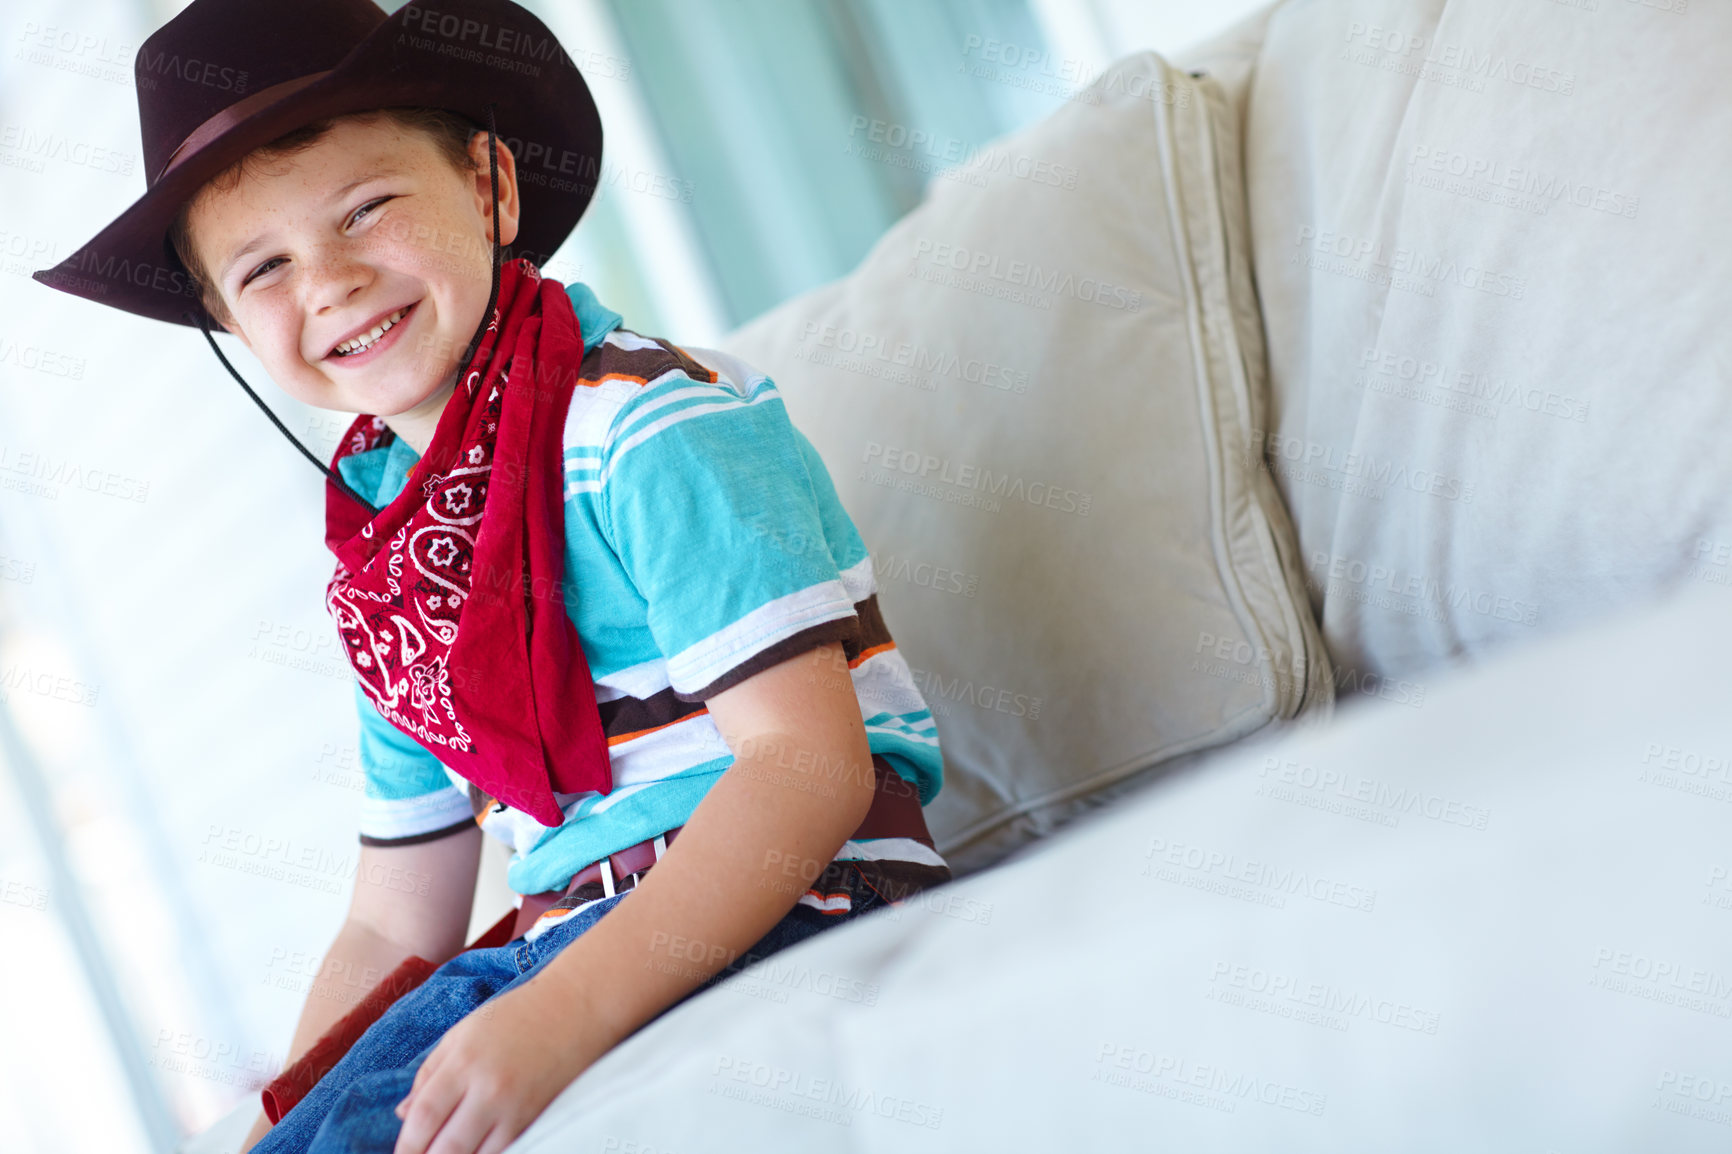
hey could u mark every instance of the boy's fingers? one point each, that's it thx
(463, 1132)
(425, 1073)
(499, 1138)
(433, 1104)
(422, 1076)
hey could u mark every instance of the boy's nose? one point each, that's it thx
(332, 280)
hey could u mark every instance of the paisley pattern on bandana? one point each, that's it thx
(489, 679)
(398, 637)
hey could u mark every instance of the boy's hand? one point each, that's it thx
(494, 1072)
(801, 782)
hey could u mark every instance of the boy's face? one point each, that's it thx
(314, 251)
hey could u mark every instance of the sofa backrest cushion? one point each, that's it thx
(1496, 276)
(1033, 396)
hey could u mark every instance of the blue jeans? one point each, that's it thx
(351, 1110)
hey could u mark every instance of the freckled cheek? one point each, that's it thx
(438, 250)
(275, 339)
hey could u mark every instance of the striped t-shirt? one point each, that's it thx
(704, 544)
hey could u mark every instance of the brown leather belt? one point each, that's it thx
(895, 812)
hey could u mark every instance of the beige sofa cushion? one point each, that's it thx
(1034, 396)
(1511, 939)
(1496, 273)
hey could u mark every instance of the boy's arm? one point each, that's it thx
(800, 784)
(412, 899)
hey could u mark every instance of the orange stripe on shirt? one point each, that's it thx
(865, 653)
(637, 733)
(605, 377)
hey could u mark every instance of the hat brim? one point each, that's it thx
(542, 109)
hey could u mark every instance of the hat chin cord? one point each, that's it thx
(202, 319)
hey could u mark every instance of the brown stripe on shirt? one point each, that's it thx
(640, 364)
(873, 631)
(841, 629)
(625, 718)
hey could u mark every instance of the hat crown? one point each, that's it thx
(218, 52)
(226, 77)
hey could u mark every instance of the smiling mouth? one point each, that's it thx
(367, 339)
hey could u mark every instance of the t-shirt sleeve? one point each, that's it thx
(707, 501)
(408, 796)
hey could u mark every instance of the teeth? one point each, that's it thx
(358, 343)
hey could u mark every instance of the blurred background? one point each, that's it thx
(178, 773)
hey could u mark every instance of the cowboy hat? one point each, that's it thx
(226, 76)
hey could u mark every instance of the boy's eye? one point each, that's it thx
(262, 270)
(365, 209)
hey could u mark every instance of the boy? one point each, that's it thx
(619, 613)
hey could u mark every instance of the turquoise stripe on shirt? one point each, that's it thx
(682, 466)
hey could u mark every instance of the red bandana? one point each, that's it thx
(443, 599)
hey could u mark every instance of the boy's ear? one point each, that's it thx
(508, 202)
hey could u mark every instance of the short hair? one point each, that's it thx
(450, 132)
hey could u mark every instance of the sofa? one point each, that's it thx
(1297, 474)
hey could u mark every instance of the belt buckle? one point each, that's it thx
(609, 886)
(606, 865)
